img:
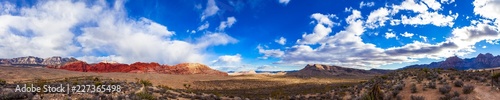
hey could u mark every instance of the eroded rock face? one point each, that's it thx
(140, 67)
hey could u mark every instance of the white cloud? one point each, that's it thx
(377, 18)
(433, 4)
(484, 47)
(346, 48)
(321, 30)
(266, 68)
(228, 63)
(447, 1)
(96, 32)
(285, 2)
(367, 4)
(204, 26)
(226, 24)
(212, 39)
(281, 40)
(210, 10)
(408, 35)
(389, 35)
(228, 59)
(429, 18)
(417, 7)
(424, 38)
(488, 9)
(269, 53)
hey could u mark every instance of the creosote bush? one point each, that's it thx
(432, 85)
(413, 88)
(445, 89)
(458, 83)
(417, 97)
(467, 89)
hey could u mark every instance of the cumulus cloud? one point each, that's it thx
(210, 10)
(96, 32)
(408, 35)
(281, 40)
(429, 18)
(321, 30)
(228, 63)
(269, 53)
(377, 18)
(417, 7)
(285, 2)
(226, 24)
(346, 48)
(366, 4)
(489, 9)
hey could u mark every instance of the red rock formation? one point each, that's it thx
(140, 67)
(76, 66)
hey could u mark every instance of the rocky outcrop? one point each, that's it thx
(319, 70)
(479, 62)
(141, 67)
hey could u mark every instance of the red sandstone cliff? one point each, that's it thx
(140, 67)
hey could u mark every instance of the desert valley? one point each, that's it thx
(451, 79)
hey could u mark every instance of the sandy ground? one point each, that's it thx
(11, 74)
(481, 91)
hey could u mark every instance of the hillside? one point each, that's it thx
(481, 61)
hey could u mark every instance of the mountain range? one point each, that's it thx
(31, 61)
(481, 61)
(73, 64)
(319, 70)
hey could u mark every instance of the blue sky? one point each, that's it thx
(252, 34)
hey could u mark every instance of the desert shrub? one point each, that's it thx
(144, 95)
(398, 87)
(445, 89)
(456, 94)
(467, 89)
(442, 81)
(2, 82)
(417, 97)
(446, 96)
(395, 93)
(458, 83)
(432, 85)
(373, 94)
(452, 77)
(146, 82)
(413, 88)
